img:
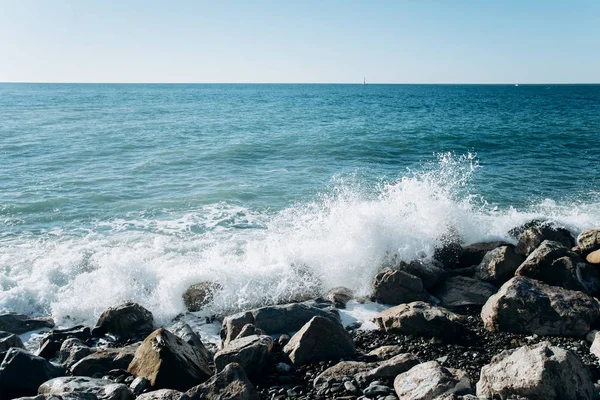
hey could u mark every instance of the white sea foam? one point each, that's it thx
(339, 239)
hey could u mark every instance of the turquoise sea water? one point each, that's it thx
(132, 192)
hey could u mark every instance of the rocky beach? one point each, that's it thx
(494, 320)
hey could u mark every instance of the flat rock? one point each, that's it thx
(229, 384)
(340, 372)
(589, 240)
(540, 372)
(524, 305)
(162, 394)
(460, 291)
(533, 237)
(498, 265)
(21, 323)
(386, 352)
(129, 320)
(100, 388)
(397, 287)
(429, 380)
(250, 352)
(388, 369)
(8, 340)
(103, 360)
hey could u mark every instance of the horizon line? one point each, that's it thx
(296, 83)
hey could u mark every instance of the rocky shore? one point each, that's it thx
(483, 321)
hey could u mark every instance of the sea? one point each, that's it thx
(132, 192)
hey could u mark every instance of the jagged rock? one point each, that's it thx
(21, 373)
(593, 257)
(162, 394)
(533, 237)
(102, 361)
(460, 291)
(8, 340)
(249, 330)
(79, 385)
(229, 384)
(168, 362)
(141, 384)
(185, 332)
(277, 319)
(200, 294)
(320, 339)
(421, 319)
(397, 287)
(386, 352)
(129, 320)
(250, 352)
(589, 240)
(474, 253)
(341, 372)
(430, 272)
(449, 254)
(388, 369)
(20, 323)
(516, 232)
(71, 351)
(339, 296)
(540, 372)
(429, 380)
(524, 305)
(498, 265)
(556, 265)
(52, 341)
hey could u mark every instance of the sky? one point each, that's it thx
(300, 41)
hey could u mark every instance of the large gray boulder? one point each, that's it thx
(460, 291)
(320, 339)
(498, 265)
(168, 362)
(229, 384)
(21, 373)
(250, 352)
(589, 240)
(275, 319)
(540, 372)
(102, 361)
(421, 319)
(8, 340)
(533, 237)
(524, 305)
(21, 323)
(397, 287)
(429, 380)
(129, 320)
(78, 385)
(388, 369)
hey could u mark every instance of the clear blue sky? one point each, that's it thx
(470, 41)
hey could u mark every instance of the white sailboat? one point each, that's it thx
(364, 82)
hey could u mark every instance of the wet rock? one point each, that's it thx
(200, 294)
(388, 369)
(449, 254)
(79, 385)
(71, 351)
(589, 240)
(376, 390)
(397, 287)
(129, 320)
(430, 273)
(341, 372)
(185, 332)
(8, 340)
(21, 373)
(20, 323)
(429, 380)
(163, 394)
(104, 360)
(249, 330)
(419, 318)
(538, 372)
(319, 339)
(339, 296)
(460, 291)
(229, 384)
(250, 352)
(168, 362)
(53, 340)
(593, 258)
(533, 237)
(474, 253)
(524, 305)
(498, 265)
(139, 385)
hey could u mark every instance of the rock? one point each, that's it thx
(397, 287)
(386, 352)
(498, 265)
(139, 385)
(21, 373)
(374, 391)
(588, 240)
(533, 237)
(200, 294)
(20, 323)
(460, 291)
(101, 388)
(277, 319)
(339, 296)
(168, 362)
(430, 273)
(53, 340)
(250, 352)
(556, 265)
(449, 254)
(341, 372)
(162, 394)
(8, 340)
(593, 257)
(429, 380)
(595, 347)
(516, 232)
(524, 305)
(419, 318)
(538, 372)
(185, 332)
(320, 339)
(249, 330)
(129, 320)
(474, 253)
(388, 369)
(103, 360)
(229, 384)
(71, 351)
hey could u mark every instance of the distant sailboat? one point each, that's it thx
(364, 82)
(516, 84)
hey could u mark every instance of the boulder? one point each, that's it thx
(250, 352)
(595, 347)
(421, 319)
(250, 330)
(103, 360)
(516, 232)
(589, 240)
(388, 369)
(556, 265)
(8, 340)
(593, 257)
(320, 339)
(474, 253)
(397, 287)
(524, 305)
(449, 254)
(168, 362)
(339, 296)
(21, 373)
(429, 380)
(431, 273)
(229, 384)
(277, 319)
(533, 237)
(498, 265)
(185, 332)
(162, 394)
(78, 385)
(539, 372)
(200, 294)
(460, 291)
(341, 372)
(129, 320)
(52, 341)
(20, 323)
(71, 351)
(386, 352)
